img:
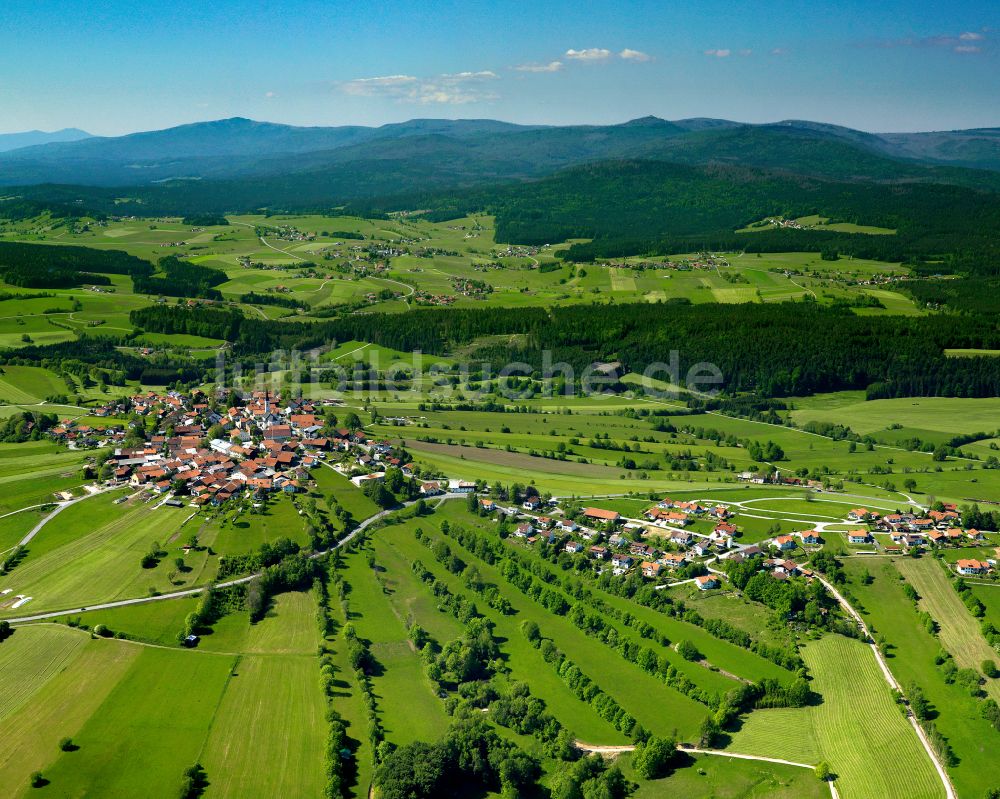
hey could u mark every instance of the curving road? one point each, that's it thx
(191, 591)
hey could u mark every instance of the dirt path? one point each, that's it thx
(614, 751)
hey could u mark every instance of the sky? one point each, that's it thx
(117, 67)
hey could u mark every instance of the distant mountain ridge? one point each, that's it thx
(31, 138)
(241, 148)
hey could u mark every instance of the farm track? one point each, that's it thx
(197, 590)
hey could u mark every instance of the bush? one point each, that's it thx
(652, 759)
(37, 780)
(990, 669)
(688, 650)
(194, 782)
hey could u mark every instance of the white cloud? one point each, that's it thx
(962, 43)
(590, 54)
(269, 95)
(779, 51)
(459, 88)
(634, 55)
(724, 53)
(552, 66)
(746, 52)
(368, 87)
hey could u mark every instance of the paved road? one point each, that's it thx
(192, 591)
(59, 509)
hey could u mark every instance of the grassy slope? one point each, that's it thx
(911, 658)
(857, 728)
(959, 631)
(268, 733)
(87, 559)
(147, 731)
(730, 778)
(407, 704)
(397, 547)
(61, 705)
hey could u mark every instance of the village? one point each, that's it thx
(203, 451)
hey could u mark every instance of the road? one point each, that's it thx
(192, 591)
(59, 509)
(267, 244)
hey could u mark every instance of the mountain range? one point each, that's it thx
(240, 164)
(31, 138)
(236, 148)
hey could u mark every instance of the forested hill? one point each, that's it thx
(779, 349)
(241, 165)
(634, 207)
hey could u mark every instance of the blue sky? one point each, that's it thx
(114, 67)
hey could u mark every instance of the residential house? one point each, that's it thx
(601, 515)
(972, 567)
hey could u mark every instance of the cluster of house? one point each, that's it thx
(908, 530)
(266, 445)
(668, 512)
(778, 478)
(606, 536)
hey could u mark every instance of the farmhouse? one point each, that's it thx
(810, 537)
(859, 537)
(707, 582)
(972, 567)
(572, 547)
(651, 570)
(784, 542)
(601, 515)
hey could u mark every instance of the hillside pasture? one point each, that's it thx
(856, 728)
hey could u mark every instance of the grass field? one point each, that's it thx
(396, 549)
(149, 728)
(911, 656)
(857, 728)
(289, 628)
(407, 703)
(30, 662)
(729, 778)
(62, 704)
(268, 732)
(959, 631)
(93, 554)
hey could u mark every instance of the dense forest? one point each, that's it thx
(177, 278)
(636, 207)
(47, 266)
(773, 350)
